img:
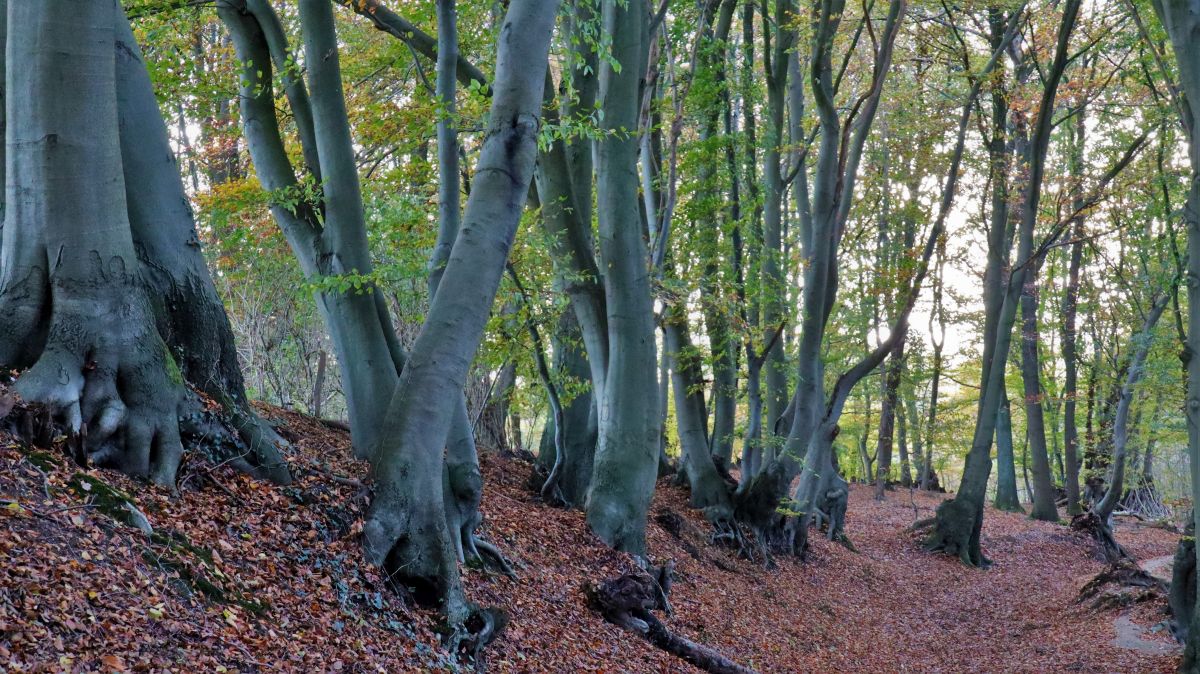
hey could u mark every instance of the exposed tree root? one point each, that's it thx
(1091, 523)
(481, 628)
(487, 555)
(627, 601)
(203, 426)
(1122, 583)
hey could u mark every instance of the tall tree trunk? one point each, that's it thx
(626, 456)
(773, 288)
(406, 528)
(328, 238)
(1182, 23)
(1069, 335)
(1031, 374)
(721, 342)
(959, 521)
(85, 322)
(999, 245)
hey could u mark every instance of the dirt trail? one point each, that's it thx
(251, 577)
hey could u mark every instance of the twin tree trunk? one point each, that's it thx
(406, 410)
(105, 292)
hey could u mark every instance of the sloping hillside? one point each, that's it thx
(239, 575)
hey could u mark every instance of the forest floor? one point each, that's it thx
(239, 575)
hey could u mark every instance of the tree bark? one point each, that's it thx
(101, 365)
(1006, 466)
(1182, 23)
(189, 314)
(1031, 374)
(959, 521)
(627, 452)
(709, 491)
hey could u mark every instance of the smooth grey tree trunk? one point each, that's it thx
(1006, 467)
(775, 66)
(579, 417)
(709, 491)
(627, 453)
(1043, 496)
(328, 238)
(405, 530)
(103, 368)
(189, 313)
(722, 344)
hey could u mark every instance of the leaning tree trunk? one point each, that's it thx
(405, 529)
(84, 321)
(328, 239)
(1101, 513)
(709, 491)
(959, 521)
(627, 453)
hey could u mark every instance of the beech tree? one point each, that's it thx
(107, 298)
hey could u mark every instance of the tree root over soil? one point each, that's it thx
(203, 425)
(1122, 583)
(627, 601)
(1091, 523)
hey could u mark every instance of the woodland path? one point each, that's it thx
(100, 589)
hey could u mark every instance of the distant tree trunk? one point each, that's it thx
(887, 418)
(1006, 472)
(938, 339)
(999, 245)
(318, 393)
(1043, 498)
(1102, 511)
(564, 188)
(1069, 336)
(959, 521)
(709, 491)
(902, 445)
(917, 440)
